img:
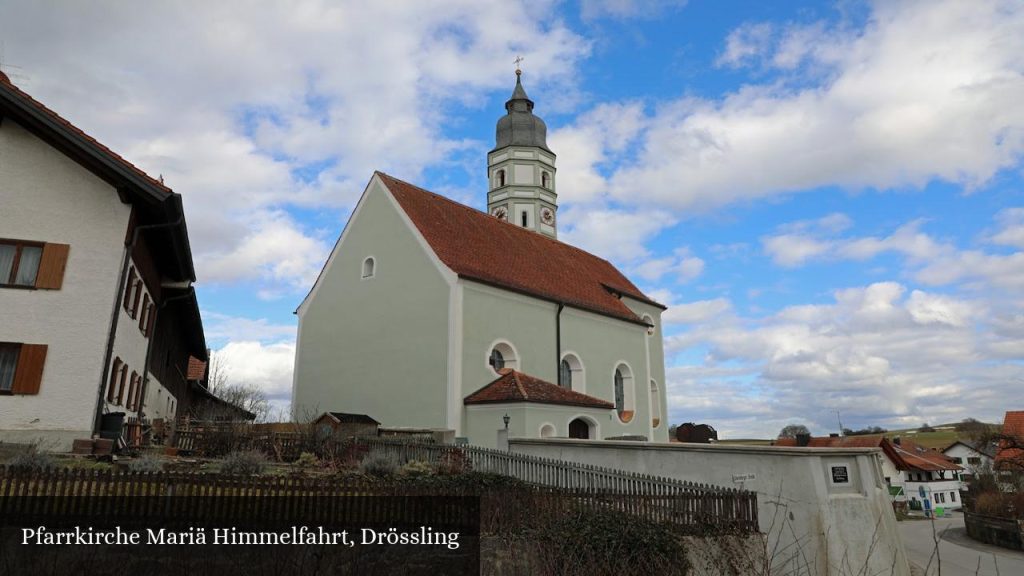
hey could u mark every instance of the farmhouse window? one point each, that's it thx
(32, 264)
(21, 367)
(144, 317)
(134, 312)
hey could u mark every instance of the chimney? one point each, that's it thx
(803, 439)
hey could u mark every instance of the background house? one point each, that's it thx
(97, 311)
(974, 457)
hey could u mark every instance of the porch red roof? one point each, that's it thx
(513, 386)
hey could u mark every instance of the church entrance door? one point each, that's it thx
(579, 428)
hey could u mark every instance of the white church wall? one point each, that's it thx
(376, 345)
(656, 361)
(800, 508)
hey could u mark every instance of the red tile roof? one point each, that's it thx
(480, 247)
(513, 386)
(5, 83)
(196, 368)
(905, 455)
(1013, 427)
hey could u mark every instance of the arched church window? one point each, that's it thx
(497, 359)
(501, 178)
(565, 375)
(624, 393)
(369, 267)
(502, 355)
(570, 373)
(523, 219)
(545, 180)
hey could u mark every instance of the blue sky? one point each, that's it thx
(827, 194)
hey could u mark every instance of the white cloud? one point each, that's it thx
(251, 103)
(1011, 231)
(879, 355)
(218, 326)
(265, 366)
(746, 43)
(700, 311)
(925, 91)
(615, 234)
(792, 250)
(681, 263)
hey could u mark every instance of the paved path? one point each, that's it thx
(960, 554)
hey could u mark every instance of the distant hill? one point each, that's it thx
(943, 435)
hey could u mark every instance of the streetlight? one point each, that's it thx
(506, 419)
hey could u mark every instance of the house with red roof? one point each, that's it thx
(98, 318)
(429, 313)
(1010, 456)
(912, 472)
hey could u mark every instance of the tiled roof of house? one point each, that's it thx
(480, 247)
(153, 182)
(513, 386)
(196, 368)
(1013, 426)
(348, 418)
(905, 454)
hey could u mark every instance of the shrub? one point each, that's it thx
(248, 463)
(307, 460)
(453, 462)
(608, 542)
(417, 468)
(146, 463)
(32, 460)
(378, 465)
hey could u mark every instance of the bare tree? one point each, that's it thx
(248, 397)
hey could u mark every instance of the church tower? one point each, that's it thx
(521, 168)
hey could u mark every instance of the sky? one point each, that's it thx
(827, 195)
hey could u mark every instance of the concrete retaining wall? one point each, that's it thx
(825, 511)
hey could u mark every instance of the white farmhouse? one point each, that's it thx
(973, 457)
(97, 312)
(429, 313)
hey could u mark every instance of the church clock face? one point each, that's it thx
(500, 213)
(547, 216)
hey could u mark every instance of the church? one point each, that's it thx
(432, 314)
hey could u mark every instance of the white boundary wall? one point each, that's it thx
(814, 525)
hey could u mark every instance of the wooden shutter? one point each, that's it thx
(145, 313)
(152, 319)
(114, 372)
(29, 374)
(51, 266)
(128, 287)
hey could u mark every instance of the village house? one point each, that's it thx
(912, 472)
(974, 457)
(432, 314)
(1010, 456)
(98, 316)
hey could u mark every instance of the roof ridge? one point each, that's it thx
(519, 384)
(481, 212)
(106, 149)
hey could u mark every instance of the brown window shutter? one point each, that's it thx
(145, 313)
(152, 318)
(135, 303)
(114, 372)
(128, 287)
(121, 386)
(29, 374)
(52, 265)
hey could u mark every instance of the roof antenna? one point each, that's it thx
(840, 420)
(5, 68)
(161, 178)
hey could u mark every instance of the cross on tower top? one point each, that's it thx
(517, 61)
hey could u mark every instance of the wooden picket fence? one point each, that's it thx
(657, 498)
(503, 508)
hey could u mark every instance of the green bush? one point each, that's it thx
(248, 463)
(33, 461)
(378, 464)
(146, 463)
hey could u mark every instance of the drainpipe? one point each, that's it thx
(98, 412)
(149, 345)
(558, 343)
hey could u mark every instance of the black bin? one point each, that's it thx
(111, 425)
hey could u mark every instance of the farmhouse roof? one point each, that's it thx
(348, 418)
(1013, 427)
(482, 248)
(513, 386)
(153, 201)
(904, 454)
(196, 369)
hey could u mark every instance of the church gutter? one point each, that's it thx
(558, 342)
